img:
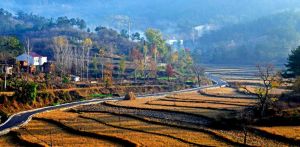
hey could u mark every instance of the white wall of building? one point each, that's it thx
(42, 60)
(32, 60)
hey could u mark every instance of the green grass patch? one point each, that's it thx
(56, 104)
(166, 78)
(100, 95)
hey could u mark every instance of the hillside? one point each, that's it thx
(172, 17)
(42, 30)
(267, 39)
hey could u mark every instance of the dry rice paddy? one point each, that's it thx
(183, 119)
(292, 132)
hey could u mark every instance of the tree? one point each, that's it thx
(62, 54)
(293, 64)
(198, 71)
(270, 80)
(87, 44)
(122, 65)
(102, 53)
(296, 86)
(155, 38)
(124, 33)
(95, 64)
(81, 23)
(174, 58)
(170, 71)
(136, 36)
(9, 47)
(25, 92)
(153, 69)
(137, 58)
(108, 75)
(154, 53)
(99, 28)
(145, 52)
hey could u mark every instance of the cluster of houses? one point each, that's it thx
(31, 62)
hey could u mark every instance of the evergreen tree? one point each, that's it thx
(293, 64)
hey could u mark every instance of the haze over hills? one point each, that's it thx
(168, 15)
(267, 39)
(260, 30)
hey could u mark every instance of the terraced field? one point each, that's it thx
(185, 119)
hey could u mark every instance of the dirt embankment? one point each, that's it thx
(9, 105)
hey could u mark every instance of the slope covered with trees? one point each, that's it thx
(267, 39)
(41, 31)
(170, 16)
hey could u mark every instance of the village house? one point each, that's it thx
(33, 60)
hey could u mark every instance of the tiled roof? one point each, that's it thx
(33, 54)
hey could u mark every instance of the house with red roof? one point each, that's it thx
(32, 59)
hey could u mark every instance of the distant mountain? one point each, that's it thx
(171, 16)
(267, 39)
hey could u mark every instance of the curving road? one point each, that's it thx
(21, 118)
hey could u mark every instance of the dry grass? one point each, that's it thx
(191, 102)
(220, 91)
(197, 96)
(252, 139)
(140, 138)
(275, 91)
(250, 81)
(292, 132)
(8, 141)
(47, 134)
(195, 105)
(125, 122)
(237, 103)
(7, 93)
(141, 103)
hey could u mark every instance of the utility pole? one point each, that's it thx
(28, 48)
(87, 66)
(5, 75)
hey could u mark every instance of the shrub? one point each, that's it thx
(296, 86)
(25, 92)
(65, 79)
(130, 96)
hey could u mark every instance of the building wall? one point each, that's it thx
(32, 60)
(43, 60)
(36, 61)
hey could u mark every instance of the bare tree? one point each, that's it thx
(246, 118)
(87, 44)
(102, 53)
(270, 80)
(198, 71)
(62, 54)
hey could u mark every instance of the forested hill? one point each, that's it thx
(267, 39)
(41, 31)
(172, 17)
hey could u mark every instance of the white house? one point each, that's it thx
(75, 78)
(33, 59)
(174, 41)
